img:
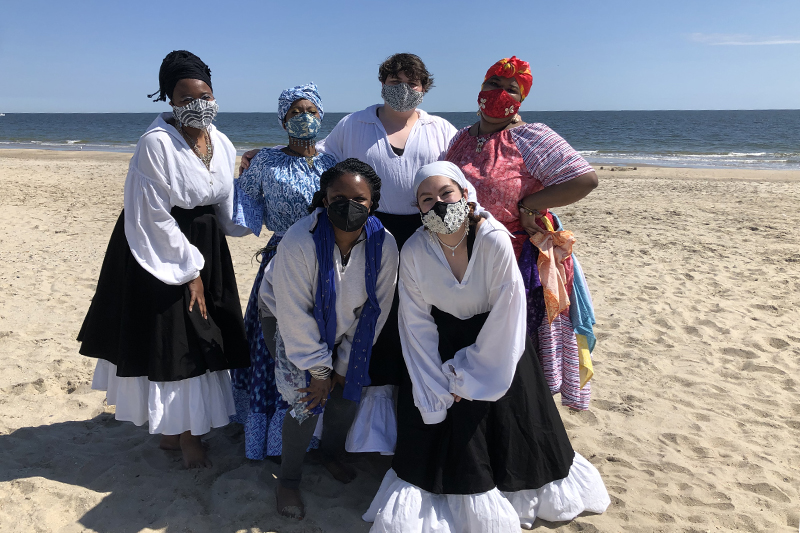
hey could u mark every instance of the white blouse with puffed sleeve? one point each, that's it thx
(492, 283)
(164, 173)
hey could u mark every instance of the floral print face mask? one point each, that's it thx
(497, 103)
(445, 218)
(303, 126)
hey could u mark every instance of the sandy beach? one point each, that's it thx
(695, 415)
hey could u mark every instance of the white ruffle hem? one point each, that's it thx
(170, 407)
(400, 507)
(374, 428)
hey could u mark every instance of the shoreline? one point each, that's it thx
(642, 170)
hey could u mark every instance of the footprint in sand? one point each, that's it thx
(33, 387)
(778, 344)
(794, 424)
(772, 309)
(662, 323)
(740, 353)
(749, 366)
(693, 331)
(766, 490)
(665, 518)
(713, 325)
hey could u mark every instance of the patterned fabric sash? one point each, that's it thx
(325, 302)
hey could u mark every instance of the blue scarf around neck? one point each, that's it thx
(325, 301)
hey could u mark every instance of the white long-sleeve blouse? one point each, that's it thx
(493, 283)
(290, 285)
(362, 135)
(164, 173)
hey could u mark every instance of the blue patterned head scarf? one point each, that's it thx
(290, 96)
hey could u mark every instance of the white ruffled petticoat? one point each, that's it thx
(374, 428)
(171, 407)
(400, 507)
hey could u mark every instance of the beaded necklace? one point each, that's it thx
(206, 159)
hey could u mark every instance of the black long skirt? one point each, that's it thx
(515, 443)
(144, 327)
(386, 366)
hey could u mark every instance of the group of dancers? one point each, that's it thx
(413, 300)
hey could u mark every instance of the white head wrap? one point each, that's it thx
(441, 168)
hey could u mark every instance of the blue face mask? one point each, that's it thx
(303, 126)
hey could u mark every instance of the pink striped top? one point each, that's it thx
(513, 164)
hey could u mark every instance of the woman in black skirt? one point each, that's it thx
(481, 446)
(165, 323)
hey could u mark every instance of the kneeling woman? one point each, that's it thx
(330, 288)
(480, 443)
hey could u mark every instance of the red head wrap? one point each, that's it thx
(513, 68)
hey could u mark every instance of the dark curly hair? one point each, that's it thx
(411, 65)
(348, 166)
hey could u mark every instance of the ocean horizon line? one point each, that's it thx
(709, 138)
(432, 112)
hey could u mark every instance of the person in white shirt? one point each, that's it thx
(481, 446)
(165, 323)
(324, 300)
(395, 138)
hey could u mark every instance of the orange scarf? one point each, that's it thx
(554, 247)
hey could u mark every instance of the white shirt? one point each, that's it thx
(164, 173)
(290, 284)
(492, 282)
(362, 135)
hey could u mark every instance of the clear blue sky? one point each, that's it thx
(103, 56)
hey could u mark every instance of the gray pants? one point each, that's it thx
(339, 415)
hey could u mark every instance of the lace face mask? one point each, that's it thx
(446, 218)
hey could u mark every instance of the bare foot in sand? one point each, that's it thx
(194, 453)
(290, 504)
(339, 470)
(170, 442)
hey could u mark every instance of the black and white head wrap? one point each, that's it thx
(179, 65)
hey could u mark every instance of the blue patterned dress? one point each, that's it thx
(274, 192)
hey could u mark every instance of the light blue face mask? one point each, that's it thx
(303, 126)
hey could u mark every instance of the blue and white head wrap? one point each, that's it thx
(289, 96)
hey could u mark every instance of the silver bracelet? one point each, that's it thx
(320, 372)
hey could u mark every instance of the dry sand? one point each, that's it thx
(695, 416)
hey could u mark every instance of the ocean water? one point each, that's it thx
(712, 139)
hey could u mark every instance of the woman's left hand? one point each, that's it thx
(318, 391)
(529, 224)
(197, 295)
(557, 195)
